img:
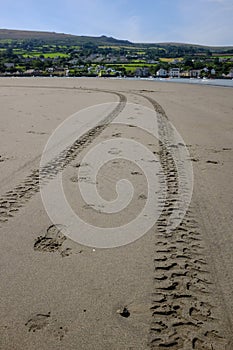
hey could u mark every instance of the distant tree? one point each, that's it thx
(188, 62)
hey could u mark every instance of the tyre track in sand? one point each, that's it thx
(182, 311)
(14, 199)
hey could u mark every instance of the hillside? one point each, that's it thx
(68, 39)
(8, 34)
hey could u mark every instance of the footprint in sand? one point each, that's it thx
(41, 322)
(74, 179)
(142, 196)
(114, 151)
(38, 322)
(52, 241)
(117, 134)
(3, 159)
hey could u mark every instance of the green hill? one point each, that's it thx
(44, 38)
(59, 38)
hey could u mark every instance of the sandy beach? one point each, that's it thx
(165, 289)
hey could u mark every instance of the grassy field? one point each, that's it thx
(168, 60)
(46, 55)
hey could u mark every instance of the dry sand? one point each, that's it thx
(177, 287)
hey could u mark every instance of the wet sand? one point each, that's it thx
(165, 290)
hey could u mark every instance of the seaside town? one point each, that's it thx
(36, 58)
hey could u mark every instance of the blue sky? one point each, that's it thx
(194, 21)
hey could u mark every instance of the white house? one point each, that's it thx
(195, 73)
(30, 71)
(213, 71)
(174, 72)
(9, 65)
(162, 73)
(50, 70)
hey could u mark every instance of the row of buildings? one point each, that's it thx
(177, 73)
(103, 70)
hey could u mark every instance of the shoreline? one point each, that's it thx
(190, 81)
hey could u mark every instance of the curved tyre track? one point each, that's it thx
(182, 313)
(12, 200)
